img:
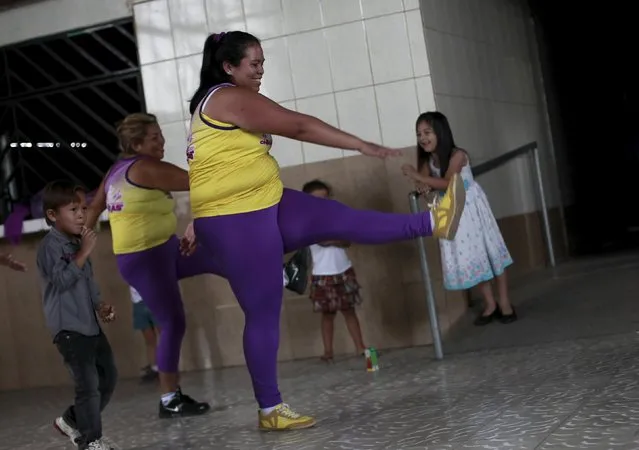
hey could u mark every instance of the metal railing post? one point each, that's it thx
(428, 287)
(544, 210)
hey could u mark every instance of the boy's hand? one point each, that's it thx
(106, 312)
(11, 263)
(89, 239)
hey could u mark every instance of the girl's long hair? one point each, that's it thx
(445, 141)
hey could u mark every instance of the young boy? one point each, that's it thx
(143, 321)
(71, 302)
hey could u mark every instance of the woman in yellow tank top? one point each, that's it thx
(137, 193)
(240, 206)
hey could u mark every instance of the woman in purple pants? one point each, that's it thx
(240, 206)
(136, 192)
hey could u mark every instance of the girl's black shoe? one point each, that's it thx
(510, 318)
(482, 320)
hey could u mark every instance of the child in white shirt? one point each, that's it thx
(334, 286)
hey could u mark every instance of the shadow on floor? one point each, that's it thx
(579, 299)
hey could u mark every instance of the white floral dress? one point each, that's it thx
(478, 252)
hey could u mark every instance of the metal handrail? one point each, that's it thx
(478, 171)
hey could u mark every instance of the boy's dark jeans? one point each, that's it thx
(90, 361)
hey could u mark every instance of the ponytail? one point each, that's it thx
(218, 49)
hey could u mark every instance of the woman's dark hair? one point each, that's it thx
(316, 185)
(445, 141)
(220, 48)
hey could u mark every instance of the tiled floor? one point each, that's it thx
(565, 376)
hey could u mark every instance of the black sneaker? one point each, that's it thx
(182, 406)
(149, 375)
(297, 269)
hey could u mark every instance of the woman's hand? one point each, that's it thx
(370, 149)
(10, 262)
(188, 243)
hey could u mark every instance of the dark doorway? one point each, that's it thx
(589, 56)
(60, 99)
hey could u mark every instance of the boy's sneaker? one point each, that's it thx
(66, 430)
(283, 418)
(182, 406)
(99, 445)
(149, 375)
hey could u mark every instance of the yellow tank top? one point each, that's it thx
(140, 218)
(230, 169)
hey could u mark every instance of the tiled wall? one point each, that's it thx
(42, 18)
(360, 65)
(482, 58)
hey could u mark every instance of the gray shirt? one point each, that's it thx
(69, 294)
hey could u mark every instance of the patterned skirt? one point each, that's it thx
(332, 293)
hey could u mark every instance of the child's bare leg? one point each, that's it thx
(328, 321)
(352, 323)
(150, 340)
(504, 300)
(486, 290)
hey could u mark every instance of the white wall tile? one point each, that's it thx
(264, 18)
(277, 83)
(287, 152)
(301, 15)
(348, 51)
(389, 48)
(417, 43)
(153, 31)
(175, 145)
(398, 110)
(188, 21)
(425, 94)
(310, 64)
(357, 114)
(411, 4)
(335, 12)
(162, 91)
(225, 15)
(374, 8)
(188, 79)
(323, 107)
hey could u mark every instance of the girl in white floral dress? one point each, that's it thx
(478, 254)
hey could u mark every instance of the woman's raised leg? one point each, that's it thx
(304, 220)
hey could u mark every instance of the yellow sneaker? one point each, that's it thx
(283, 418)
(449, 209)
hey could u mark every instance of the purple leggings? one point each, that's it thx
(155, 273)
(251, 246)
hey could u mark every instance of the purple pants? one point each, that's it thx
(155, 273)
(250, 248)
